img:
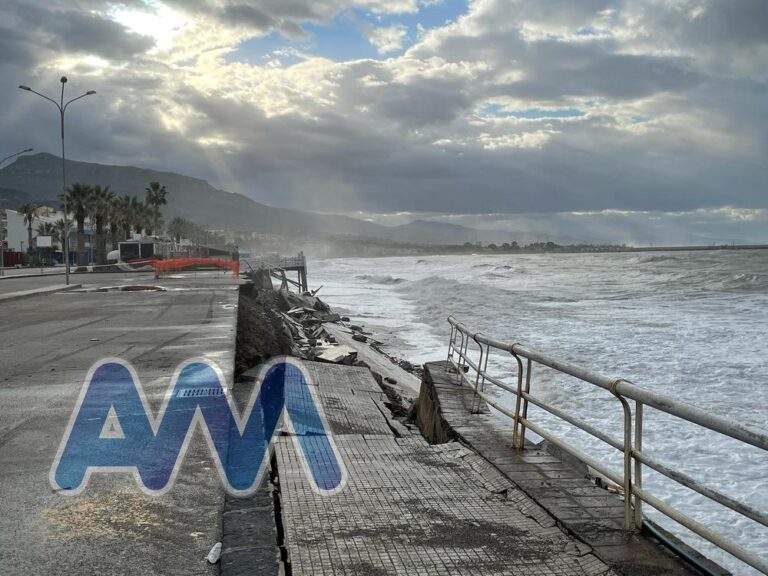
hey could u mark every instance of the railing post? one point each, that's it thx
(628, 513)
(524, 419)
(638, 464)
(516, 427)
(482, 364)
(462, 357)
(450, 345)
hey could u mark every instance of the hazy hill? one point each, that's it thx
(11, 198)
(429, 232)
(38, 177)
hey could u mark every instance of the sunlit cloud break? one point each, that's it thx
(505, 106)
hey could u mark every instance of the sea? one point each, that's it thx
(691, 325)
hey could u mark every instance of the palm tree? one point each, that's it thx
(156, 197)
(126, 218)
(138, 215)
(48, 229)
(177, 228)
(29, 211)
(58, 235)
(78, 201)
(100, 203)
(115, 220)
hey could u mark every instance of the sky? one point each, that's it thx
(638, 121)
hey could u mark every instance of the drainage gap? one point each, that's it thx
(274, 479)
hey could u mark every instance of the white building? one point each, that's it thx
(16, 235)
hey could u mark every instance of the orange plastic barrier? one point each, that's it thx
(176, 264)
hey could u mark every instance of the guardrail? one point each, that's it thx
(278, 265)
(630, 445)
(283, 262)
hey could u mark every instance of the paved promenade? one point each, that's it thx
(409, 507)
(47, 344)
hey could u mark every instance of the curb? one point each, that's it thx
(44, 275)
(37, 292)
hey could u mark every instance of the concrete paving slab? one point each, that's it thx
(413, 508)
(406, 383)
(592, 514)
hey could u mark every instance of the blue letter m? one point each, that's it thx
(112, 428)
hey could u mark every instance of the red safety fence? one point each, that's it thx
(177, 264)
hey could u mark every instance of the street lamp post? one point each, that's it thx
(62, 108)
(2, 229)
(17, 154)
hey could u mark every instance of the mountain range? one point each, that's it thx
(37, 178)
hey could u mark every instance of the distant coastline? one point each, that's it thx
(355, 246)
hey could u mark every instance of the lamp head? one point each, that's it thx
(27, 88)
(29, 150)
(90, 92)
(63, 79)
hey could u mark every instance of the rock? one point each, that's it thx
(355, 328)
(289, 300)
(261, 279)
(320, 305)
(327, 317)
(214, 554)
(345, 318)
(359, 338)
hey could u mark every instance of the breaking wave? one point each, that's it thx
(380, 279)
(652, 258)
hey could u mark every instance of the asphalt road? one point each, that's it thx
(17, 284)
(47, 345)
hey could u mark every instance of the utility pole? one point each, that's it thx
(62, 109)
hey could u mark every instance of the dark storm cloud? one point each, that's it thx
(63, 31)
(672, 103)
(73, 32)
(555, 70)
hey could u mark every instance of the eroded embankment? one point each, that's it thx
(261, 333)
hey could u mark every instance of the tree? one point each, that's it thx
(78, 201)
(177, 228)
(137, 214)
(126, 219)
(49, 229)
(156, 197)
(29, 211)
(180, 228)
(115, 220)
(58, 236)
(99, 206)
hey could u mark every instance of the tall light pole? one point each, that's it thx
(62, 108)
(2, 230)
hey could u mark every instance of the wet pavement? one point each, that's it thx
(47, 344)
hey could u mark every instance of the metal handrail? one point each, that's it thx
(275, 261)
(631, 444)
